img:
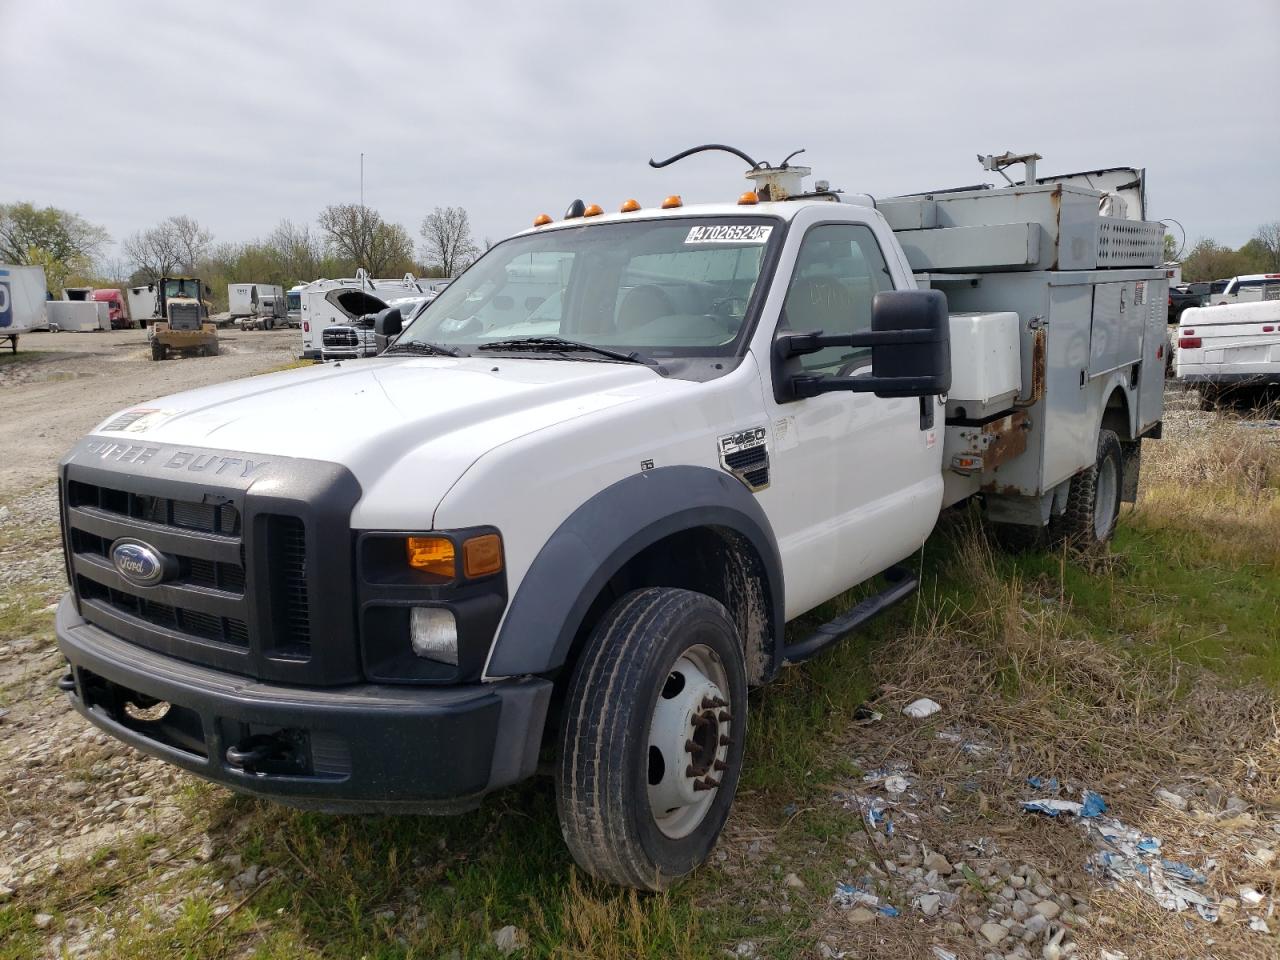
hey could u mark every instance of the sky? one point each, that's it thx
(243, 113)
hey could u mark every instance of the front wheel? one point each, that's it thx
(157, 350)
(652, 738)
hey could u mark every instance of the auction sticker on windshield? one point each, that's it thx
(729, 233)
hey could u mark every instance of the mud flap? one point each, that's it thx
(1131, 454)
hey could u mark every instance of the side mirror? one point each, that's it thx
(386, 325)
(910, 343)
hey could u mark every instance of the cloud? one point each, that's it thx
(241, 113)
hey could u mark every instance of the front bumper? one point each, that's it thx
(357, 748)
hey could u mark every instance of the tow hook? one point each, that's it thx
(254, 751)
(67, 683)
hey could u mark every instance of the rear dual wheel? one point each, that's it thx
(652, 738)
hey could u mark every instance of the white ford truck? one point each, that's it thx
(570, 510)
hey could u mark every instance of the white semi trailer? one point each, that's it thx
(23, 299)
(256, 300)
(575, 523)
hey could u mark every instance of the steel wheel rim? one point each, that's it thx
(688, 741)
(1104, 506)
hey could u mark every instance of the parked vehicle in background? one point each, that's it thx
(1248, 289)
(564, 519)
(293, 305)
(181, 321)
(357, 339)
(326, 302)
(1230, 350)
(247, 300)
(118, 316)
(78, 316)
(142, 303)
(23, 300)
(1180, 298)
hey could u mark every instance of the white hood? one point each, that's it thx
(431, 416)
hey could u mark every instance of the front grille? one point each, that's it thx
(184, 316)
(221, 518)
(205, 600)
(340, 337)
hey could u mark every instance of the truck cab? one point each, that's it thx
(570, 509)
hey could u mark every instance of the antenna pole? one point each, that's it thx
(362, 181)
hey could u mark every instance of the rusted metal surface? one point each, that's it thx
(988, 446)
(1039, 355)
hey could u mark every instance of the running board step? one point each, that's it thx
(902, 583)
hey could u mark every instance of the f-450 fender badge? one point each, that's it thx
(745, 454)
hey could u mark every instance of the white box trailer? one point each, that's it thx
(247, 300)
(79, 316)
(23, 295)
(142, 303)
(326, 302)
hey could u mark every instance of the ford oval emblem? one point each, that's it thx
(138, 562)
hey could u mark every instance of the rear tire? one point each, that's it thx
(1093, 499)
(656, 714)
(157, 351)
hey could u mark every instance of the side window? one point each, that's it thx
(838, 273)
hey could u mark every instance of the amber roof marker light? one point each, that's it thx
(748, 199)
(629, 206)
(593, 210)
(541, 220)
(672, 202)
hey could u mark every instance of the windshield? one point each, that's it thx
(294, 301)
(182, 288)
(662, 288)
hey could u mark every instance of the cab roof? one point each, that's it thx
(782, 209)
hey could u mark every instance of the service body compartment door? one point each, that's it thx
(1115, 338)
(1154, 307)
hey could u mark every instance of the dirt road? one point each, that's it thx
(61, 384)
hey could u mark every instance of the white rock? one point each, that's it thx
(896, 784)
(43, 921)
(937, 862)
(747, 948)
(1259, 925)
(1171, 799)
(993, 932)
(793, 881)
(1251, 896)
(919, 709)
(1047, 909)
(509, 939)
(928, 904)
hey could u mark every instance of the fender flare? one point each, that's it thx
(601, 535)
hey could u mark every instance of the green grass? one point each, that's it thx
(388, 888)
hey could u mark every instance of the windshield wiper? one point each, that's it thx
(422, 347)
(561, 345)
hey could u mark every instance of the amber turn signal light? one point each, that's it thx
(431, 555)
(629, 206)
(541, 220)
(482, 555)
(672, 201)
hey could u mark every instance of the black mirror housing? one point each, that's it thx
(386, 324)
(910, 341)
(922, 364)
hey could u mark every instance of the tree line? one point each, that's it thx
(1210, 260)
(347, 236)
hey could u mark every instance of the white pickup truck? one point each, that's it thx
(573, 506)
(1230, 350)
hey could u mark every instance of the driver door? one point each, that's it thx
(856, 482)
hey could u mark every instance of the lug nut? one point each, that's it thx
(724, 741)
(705, 784)
(719, 765)
(725, 716)
(690, 746)
(710, 703)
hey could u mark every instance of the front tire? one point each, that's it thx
(157, 350)
(652, 738)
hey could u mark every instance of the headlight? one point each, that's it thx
(433, 634)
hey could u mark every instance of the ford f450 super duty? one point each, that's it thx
(569, 511)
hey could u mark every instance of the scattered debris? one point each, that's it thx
(864, 715)
(1171, 799)
(919, 709)
(847, 895)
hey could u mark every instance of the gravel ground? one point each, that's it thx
(72, 381)
(68, 790)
